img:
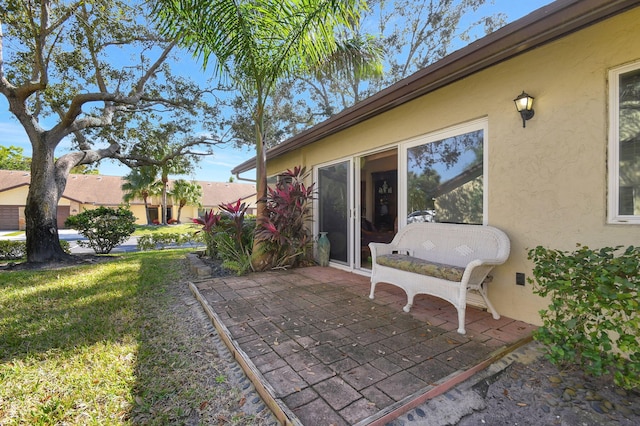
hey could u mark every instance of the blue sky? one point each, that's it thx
(218, 167)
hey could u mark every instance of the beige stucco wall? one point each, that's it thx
(547, 183)
(15, 196)
(139, 213)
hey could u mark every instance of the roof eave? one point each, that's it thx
(542, 26)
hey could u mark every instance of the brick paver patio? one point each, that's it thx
(322, 353)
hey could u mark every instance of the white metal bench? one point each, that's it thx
(442, 260)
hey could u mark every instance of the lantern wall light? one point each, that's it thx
(524, 105)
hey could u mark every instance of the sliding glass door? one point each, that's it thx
(334, 206)
(357, 203)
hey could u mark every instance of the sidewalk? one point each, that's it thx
(64, 234)
(321, 352)
(72, 236)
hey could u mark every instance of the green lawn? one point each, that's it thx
(167, 229)
(96, 344)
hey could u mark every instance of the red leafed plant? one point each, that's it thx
(288, 208)
(236, 212)
(209, 222)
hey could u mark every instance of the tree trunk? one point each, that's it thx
(260, 259)
(41, 211)
(181, 205)
(165, 181)
(146, 208)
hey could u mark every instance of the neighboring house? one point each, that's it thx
(449, 140)
(84, 192)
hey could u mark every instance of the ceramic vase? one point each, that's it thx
(324, 248)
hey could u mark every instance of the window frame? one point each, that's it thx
(613, 162)
(455, 130)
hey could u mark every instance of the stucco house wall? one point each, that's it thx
(546, 183)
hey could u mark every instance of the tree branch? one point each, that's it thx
(134, 160)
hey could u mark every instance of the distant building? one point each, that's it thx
(85, 192)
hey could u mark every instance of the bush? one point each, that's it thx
(234, 257)
(12, 250)
(288, 206)
(233, 239)
(104, 227)
(229, 236)
(209, 224)
(17, 250)
(593, 319)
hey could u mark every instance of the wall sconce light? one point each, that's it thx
(524, 105)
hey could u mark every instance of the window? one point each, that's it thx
(624, 145)
(445, 177)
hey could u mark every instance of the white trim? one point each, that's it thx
(613, 158)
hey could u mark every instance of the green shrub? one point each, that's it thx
(234, 258)
(593, 319)
(233, 237)
(66, 247)
(12, 250)
(104, 227)
(16, 250)
(229, 236)
(209, 223)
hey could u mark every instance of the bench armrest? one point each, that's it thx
(477, 270)
(379, 249)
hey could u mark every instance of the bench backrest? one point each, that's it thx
(453, 244)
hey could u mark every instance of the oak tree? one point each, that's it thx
(76, 75)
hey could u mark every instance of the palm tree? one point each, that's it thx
(256, 44)
(138, 184)
(185, 193)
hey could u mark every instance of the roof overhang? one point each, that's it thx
(540, 27)
(9, 188)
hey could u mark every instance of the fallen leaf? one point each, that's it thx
(521, 404)
(242, 401)
(203, 405)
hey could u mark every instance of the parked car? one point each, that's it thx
(421, 216)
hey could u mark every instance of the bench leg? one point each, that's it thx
(373, 289)
(493, 311)
(461, 315)
(409, 304)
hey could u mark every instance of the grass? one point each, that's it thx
(146, 229)
(14, 234)
(166, 229)
(101, 344)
